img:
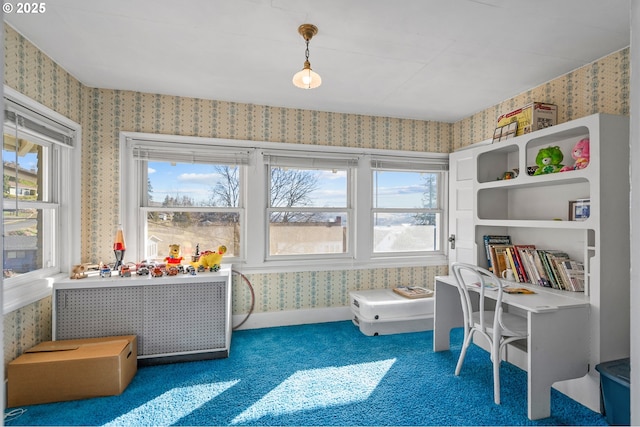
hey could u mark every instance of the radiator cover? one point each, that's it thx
(172, 316)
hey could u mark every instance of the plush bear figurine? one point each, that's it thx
(549, 160)
(174, 257)
(580, 154)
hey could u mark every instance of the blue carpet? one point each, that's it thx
(323, 374)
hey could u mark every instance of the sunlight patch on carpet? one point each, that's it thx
(319, 388)
(154, 412)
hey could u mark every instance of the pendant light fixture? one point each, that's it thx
(307, 78)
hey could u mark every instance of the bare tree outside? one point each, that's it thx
(289, 188)
(226, 192)
(292, 188)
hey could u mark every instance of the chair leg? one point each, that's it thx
(463, 352)
(495, 355)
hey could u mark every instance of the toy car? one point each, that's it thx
(142, 271)
(105, 271)
(172, 271)
(125, 271)
(157, 272)
(190, 270)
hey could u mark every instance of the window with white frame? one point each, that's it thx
(281, 206)
(407, 206)
(188, 195)
(40, 159)
(309, 205)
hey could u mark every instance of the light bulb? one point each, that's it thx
(307, 79)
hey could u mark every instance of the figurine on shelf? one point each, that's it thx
(209, 260)
(79, 271)
(549, 160)
(105, 270)
(174, 257)
(580, 154)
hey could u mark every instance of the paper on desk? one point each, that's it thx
(487, 285)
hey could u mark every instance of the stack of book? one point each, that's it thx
(548, 268)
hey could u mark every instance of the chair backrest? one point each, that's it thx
(471, 276)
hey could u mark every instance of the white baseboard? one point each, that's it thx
(292, 317)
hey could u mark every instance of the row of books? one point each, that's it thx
(548, 268)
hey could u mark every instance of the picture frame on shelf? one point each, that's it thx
(579, 209)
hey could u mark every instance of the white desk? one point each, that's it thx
(558, 342)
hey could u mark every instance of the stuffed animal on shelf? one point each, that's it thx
(210, 260)
(549, 160)
(580, 154)
(174, 257)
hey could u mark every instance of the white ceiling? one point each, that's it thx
(440, 60)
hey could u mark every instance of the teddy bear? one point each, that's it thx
(580, 154)
(174, 257)
(549, 160)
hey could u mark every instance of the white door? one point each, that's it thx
(462, 169)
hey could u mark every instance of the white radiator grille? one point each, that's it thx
(99, 312)
(168, 319)
(184, 317)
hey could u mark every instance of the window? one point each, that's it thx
(40, 197)
(407, 207)
(309, 206)
(193, 197)
(281, 207)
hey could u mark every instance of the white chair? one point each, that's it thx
(497, 327)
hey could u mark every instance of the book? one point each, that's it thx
(510, 290)
(526, 262)
(554, 258)
(542, 272)
(513, 263)
(491, 239)
(501, 259)
(413, 292)
(574, 271)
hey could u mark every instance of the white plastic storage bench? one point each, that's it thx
(383, 312)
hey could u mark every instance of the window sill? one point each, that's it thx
(290, 266)
(22, 293)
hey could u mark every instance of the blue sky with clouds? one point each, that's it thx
(395, 189)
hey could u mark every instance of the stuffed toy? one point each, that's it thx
(549, 160)
(210, 260)
(174, 257)
(580, 154)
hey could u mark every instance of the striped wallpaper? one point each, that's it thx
(599, 87)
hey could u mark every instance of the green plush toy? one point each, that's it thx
(549, 160)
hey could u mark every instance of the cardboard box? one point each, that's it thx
(56, 371)
(531, 117)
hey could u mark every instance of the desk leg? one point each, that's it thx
(447, 314)
(557, 350)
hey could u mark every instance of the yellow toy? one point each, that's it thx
(174, 257)
(209, 260)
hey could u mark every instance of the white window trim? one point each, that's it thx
(27, 288)
(254, 199)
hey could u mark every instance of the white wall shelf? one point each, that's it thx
(535, 210)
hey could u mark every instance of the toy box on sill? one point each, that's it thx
(533, 116)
